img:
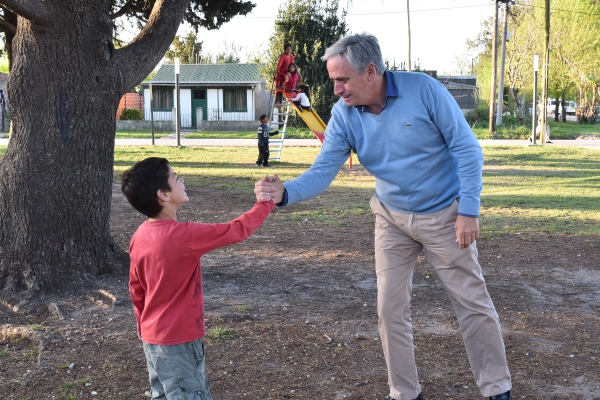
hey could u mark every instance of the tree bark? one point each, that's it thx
(56, 177)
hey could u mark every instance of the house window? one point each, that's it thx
(162, 99)
(234, 100)
(199, 94)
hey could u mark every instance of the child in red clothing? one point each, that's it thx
(165, 281)
(293, 78)
(285, 60)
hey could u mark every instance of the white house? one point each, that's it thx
(207, 93)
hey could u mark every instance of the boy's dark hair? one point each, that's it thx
(262, 117)
(141, 182)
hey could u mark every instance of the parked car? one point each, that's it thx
(570, 107)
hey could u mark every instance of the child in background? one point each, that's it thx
(284, 62)
(165, 280)
(281, 77)
(302, 99)
(292, 78)
(264, 132)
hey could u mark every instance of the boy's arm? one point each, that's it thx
(207, 237)
(219, 235)
(137, 294)
(273, 133)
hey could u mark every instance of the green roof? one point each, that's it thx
(208, 74)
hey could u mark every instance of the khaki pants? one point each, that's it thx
(399, 239)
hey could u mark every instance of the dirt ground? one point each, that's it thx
(299, 301)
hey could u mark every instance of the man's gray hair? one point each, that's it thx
(360, 50)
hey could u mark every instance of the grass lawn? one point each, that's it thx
(526, 189)
(558, 130)
(291, 133)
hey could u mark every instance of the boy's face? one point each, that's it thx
(265, 120)
(177, 195)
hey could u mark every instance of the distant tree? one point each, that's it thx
(230, 54)
(186, 48)
(393, 66)
(310, 26)
(574, 49)
(481, 47)
(525, 31)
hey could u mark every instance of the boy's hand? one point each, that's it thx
(265, 190)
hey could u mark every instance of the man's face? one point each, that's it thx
(353, 88)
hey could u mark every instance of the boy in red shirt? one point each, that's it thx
(165, 281)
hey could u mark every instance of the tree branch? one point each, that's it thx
(128, 7)
(6, 26)
(136, 60)
(33, 10)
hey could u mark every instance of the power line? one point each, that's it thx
(414, 11)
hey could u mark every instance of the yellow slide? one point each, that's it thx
(311, 118)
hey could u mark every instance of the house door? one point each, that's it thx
(198, 100)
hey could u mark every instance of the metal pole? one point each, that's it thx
(535, 95)
(502, 59)
(543, 121)
(408, 23)
(494, 68)
(151, 114)
(177, 104)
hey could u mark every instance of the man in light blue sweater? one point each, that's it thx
(409, 133)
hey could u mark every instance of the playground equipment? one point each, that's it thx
(281, 107)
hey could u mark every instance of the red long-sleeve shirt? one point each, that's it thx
(165, 280)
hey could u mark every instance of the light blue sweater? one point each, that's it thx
(420, 149)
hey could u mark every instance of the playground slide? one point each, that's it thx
(311, 118)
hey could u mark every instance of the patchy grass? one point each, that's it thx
(526, 189)
(220, 333)
(558, 130)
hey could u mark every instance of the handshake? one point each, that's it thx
(269, 188)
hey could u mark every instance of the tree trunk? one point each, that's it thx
(56, 177)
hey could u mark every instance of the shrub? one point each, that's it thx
(131, 114)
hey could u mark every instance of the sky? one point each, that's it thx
(439, 29)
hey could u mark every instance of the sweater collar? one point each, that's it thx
(391, 90)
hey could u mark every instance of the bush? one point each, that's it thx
(131, 114)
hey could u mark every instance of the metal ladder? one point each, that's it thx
(278, 121)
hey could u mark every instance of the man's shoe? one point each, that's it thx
(419, 397)
(503, 396)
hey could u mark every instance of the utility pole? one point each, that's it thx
(408, 24)
(494, 67)
(535, 97)
(502, 60)
(544, 115)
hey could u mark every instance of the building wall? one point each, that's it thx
(257, 101)
(130, 100)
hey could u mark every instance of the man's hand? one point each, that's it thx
(265, 190)
(279, 185)
(467, 230)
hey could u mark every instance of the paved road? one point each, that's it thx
(590, 144)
